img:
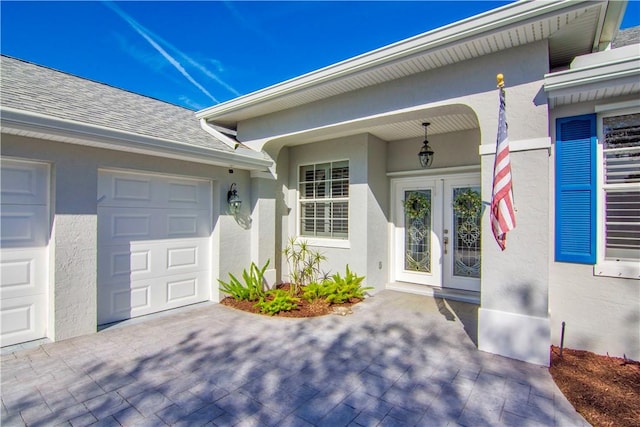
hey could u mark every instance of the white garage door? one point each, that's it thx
(24, 237)
(153, 243)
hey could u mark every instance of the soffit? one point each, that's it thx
(571, 31)
(394, 127)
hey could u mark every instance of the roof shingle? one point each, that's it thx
(34, 88)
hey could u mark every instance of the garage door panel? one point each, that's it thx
(22, 319)
(123, 225)
(154, 243)
(24, 226)
(120, 189)
(22, 272)
(149, 259)
(24, 237)
(24, 183)
(138, 298)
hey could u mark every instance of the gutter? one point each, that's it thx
(26, 123)
(498, 18)
(230, 142)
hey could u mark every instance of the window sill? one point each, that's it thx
(620, 269)
(325, 243)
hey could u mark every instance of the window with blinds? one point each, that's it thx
(324, 200)
(621, 184)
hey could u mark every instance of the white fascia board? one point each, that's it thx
(25, 123)
(570, 81)
(468, 28)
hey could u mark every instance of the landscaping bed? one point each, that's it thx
(604, 390)
(305, 308)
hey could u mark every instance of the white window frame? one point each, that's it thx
(328, 242)
(609, 267)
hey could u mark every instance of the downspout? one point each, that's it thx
(218, 135)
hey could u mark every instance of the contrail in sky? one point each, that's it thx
(146, 34)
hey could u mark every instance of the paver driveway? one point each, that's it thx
(399, 360)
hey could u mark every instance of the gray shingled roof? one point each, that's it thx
(626, 37)
(29, 87)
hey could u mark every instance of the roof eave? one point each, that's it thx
(618, 67)
(26, 123)
(455, 32)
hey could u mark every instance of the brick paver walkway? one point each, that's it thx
(399, 360)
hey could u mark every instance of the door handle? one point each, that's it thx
(445, 240)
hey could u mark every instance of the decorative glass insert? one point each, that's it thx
(621, 154)
(324, 200)
(466, 237)
(417, 240)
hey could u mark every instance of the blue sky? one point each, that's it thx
(197, 54)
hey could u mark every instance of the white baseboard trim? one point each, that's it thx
(516, 336)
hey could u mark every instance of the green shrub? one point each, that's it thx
(253, 287)
(279, 300)
(314, 291)
(341, 289)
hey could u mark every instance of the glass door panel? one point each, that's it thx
(466, 229)
(463, 211)
(417, 240)
(417, 248)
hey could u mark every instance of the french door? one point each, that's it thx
(437, 231)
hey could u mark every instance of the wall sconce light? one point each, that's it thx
(426, 153)
(233, 199)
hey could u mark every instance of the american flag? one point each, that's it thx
(502, 214)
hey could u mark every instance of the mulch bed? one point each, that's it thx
(604, 390)
(305, 309)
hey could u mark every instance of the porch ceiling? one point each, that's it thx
(394, 127)
(571, 27)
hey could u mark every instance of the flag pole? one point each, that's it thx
(500, 85)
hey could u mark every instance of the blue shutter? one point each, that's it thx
(575, 186)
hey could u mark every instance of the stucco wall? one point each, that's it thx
(602, 314)
(377, 214)
(451, 149)
(73, 243)
(365, 209)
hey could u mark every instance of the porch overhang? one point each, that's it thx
(571, 27)
(391, 126)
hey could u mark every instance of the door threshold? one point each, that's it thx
(470, 297)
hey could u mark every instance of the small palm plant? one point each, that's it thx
(304, 264)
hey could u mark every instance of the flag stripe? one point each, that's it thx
(502, 212)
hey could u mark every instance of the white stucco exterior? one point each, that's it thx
(73, 238)
(368, 111)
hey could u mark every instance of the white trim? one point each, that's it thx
(329, 242)
(325, 243)
(627, 269)
(23, 123)
(435, 171)
(517, 336)
(262, 175)
(619, 269)
(219, 135)
(519, 145)
(618, 106)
